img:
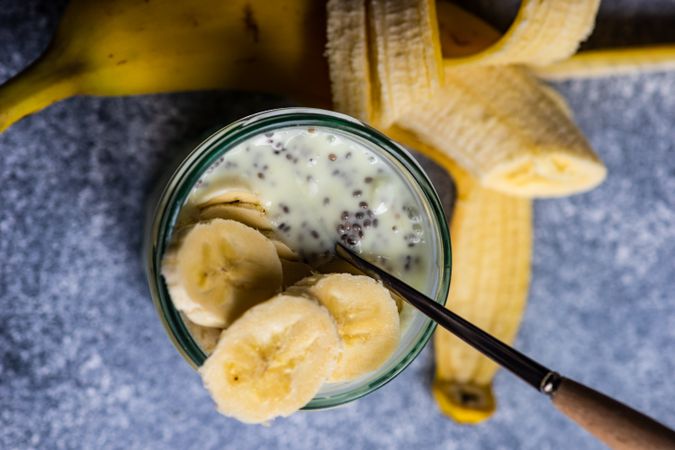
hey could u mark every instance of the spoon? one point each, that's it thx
(609, 420)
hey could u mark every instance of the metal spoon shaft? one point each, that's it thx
(530, 371)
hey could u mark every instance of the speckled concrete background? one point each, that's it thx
(84, 363)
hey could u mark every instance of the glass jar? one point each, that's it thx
(189, 171)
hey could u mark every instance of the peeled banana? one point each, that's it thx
(219, 269)
(126, 47)
(347, 53)
(384, 56)
(498, 122)
(273, 360)
(406, 55)
(501, 124)
(502, 127)
(367, 320)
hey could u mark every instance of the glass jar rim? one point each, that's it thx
(178, 187)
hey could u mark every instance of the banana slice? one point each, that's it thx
(272, 360)
(225, 191)
(252, 215)
(219, 269)
(249, 214)
(367, 319)
(206, 337)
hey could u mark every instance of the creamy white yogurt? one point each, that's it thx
(320, 186)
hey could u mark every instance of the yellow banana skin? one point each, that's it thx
(610, 62)
(127, 47)
(464, 34)
(492, 244)
(542, 32)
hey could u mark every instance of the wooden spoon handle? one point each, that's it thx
(615, 424)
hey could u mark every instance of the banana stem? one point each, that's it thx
(44, 82)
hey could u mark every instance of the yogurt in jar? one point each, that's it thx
(320, 186)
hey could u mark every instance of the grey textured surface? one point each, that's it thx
(84, 362)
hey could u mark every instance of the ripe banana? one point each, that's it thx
(367, 320)
(218, 269)
(498, 122)
(384, 55)
(610, 62)
(127, 47)
(502, 127)
(491, 249)
(272, 360)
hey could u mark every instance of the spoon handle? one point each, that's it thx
(617, 425)
(612, 422)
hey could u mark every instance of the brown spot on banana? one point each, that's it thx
(251, 24)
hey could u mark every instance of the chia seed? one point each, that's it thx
(332, 156)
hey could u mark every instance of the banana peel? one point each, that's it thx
(492, 244)
(610, 62)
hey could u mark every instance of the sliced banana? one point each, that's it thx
(219, 269)
(366, 316)
(250, 214)
(225, 191)
(273, 360)
(206, 337)
(253, 215)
